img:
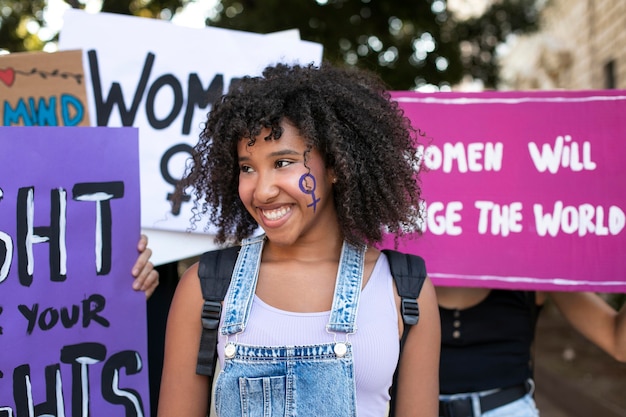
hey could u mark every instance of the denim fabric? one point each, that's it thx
(266, 381)
(243, 284)
(524, 407)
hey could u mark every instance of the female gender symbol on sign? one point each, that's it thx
(304, 186)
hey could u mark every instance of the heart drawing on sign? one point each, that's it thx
(7, 76)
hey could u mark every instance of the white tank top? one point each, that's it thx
(375, 344)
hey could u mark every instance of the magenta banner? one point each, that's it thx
(73, 332)
(524, 190)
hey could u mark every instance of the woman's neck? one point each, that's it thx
(323, 249)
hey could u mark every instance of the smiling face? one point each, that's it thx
(286, 189)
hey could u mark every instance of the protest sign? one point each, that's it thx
(162, 78)
(43, 89)
(72, 330)
(523, 189)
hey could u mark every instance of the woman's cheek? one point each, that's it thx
(308, 185)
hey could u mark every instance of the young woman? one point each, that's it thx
(325, 163)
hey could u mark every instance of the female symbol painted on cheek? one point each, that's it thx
(309, 190)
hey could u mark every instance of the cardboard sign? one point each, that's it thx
(72, 330)
(163, 78)
(523, 190)
(43, 89)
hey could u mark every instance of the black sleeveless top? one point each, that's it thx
(488, 345)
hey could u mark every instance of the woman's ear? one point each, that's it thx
(331, 176)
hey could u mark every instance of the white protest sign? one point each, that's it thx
(162, 78)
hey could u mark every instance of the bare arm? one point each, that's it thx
(183, 392)
(588, 313)
(418, 374)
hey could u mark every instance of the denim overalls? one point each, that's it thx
(259, 381)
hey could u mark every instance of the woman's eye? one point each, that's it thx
(282, 163)
(246, 168)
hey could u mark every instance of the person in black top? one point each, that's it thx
(486, 339)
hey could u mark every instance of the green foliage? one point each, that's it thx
(21, 19)
(409, 43)
(482, 35)
(159, 9)
(18, 20)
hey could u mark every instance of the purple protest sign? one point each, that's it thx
(72, 330)
(523, 189)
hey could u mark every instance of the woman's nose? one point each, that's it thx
(266, 188)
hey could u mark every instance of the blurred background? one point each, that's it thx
(428, 45)
(424, 45)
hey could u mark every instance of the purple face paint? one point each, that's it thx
(306, 190)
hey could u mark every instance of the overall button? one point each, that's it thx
(230, 350)
(340, 349)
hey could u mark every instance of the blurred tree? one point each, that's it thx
(21, 20)
(409, 43)
(159, 9)
(15, 19)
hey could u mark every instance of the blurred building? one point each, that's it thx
(581, 45)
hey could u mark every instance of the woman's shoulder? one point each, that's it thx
(189, 283)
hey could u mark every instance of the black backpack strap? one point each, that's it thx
(215, 270)
(409, 274)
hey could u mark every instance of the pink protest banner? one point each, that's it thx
(72, 330)
(523, 190)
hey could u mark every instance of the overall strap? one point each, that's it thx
(409, 274)
(215, 270)
(245, 275)
(347, 289)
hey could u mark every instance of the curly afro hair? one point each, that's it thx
(346, 114)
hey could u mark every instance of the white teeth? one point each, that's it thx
(275, 214)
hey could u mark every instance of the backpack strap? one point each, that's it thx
(215, 270)
(409, 274)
